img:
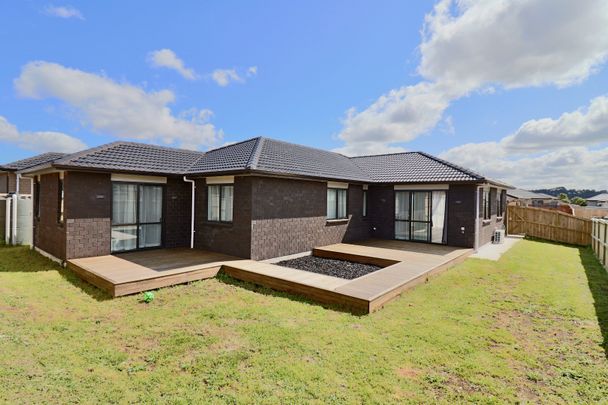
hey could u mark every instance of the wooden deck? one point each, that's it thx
(405, 265)
(129, 273)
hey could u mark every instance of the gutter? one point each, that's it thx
(192, 230)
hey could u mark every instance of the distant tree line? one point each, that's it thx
(570, 193)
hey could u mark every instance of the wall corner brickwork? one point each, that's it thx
(86, 237)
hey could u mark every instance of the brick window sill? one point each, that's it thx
(499, 218)
(486, 222)
(336, 221)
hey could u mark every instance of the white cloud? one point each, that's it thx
(41, 141)
(252, 71)
(472, 46)
(63, 12)
(168, 59)
(546, 152)
(581, 127)
(119, 109)
(223, 77)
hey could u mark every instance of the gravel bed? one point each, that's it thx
(330, 267)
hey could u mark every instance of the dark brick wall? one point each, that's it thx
(461, 214)
(49, 235)
(88, 210)
(176, 211)
(3, 182)
(233, 238)
(290, 216)
(381, 211)
(487, 228)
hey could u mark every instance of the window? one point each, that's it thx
(500, 203)
(486, 204)
(220, 203)
(364, 203)
(60, 201)
(37, 198)
(336, 203)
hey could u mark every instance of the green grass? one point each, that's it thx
(531, 327)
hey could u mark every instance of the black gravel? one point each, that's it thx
(330, 267)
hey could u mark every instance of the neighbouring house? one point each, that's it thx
(600, 200)
(527, 198)
(258, 199)
(16, 198)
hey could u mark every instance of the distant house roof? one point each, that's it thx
(31, 161)
(529, 195)
(599, 197)
(268, 156)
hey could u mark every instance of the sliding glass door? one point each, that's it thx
(420, 216)
(136, 216)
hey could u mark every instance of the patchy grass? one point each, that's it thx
(531, 327)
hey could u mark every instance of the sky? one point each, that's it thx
(515, 90)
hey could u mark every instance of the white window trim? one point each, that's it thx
(134, 178)
(422, 187)
(219, 180)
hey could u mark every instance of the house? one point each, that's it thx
(531, 199)
(258, 199)
(600, 200)
(16, 199)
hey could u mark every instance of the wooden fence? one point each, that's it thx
(548, 224)
(599, 242)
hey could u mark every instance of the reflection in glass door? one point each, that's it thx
(420, 216)
(136, 216)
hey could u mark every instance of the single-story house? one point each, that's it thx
(258, 199)
(600, 200)
(11, 180)
(531, 199)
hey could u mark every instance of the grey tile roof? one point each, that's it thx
(32, 161)
(599, 197)
(269, 156)
(132, 157)
(413, 167)
(525, 194)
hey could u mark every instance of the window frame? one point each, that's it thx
(364, 208)
(37, 198)
(485, 205)
(221, 187)
(500, 203)
(338, 190)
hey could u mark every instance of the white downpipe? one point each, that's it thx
(15, 199)
(192, 230)
(477, 217)
(7, 225)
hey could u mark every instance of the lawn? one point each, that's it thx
(531, 327)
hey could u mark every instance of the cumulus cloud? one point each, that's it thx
(63, 12)
(119, 109)
(475, 46)
(547, 151)
(40, 141)
(166, 58)
(224, 77)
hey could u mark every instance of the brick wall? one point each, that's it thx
(176, 213)
(49, 235)
(290, 216)
(10, 184)
(487, 228)
(86, 237)
(233, 238)
(3, 183)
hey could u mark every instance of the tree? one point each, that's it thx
(579, 201)
(564, 197)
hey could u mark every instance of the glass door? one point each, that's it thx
(136, 216)
(420, 216)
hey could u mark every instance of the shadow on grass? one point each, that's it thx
(22, 259)
(597, 278)
(226, 279)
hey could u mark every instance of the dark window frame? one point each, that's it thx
(485, 204)
(221, 186)
(500, 203)
(338, 190)
(364, 208)
(60, 201)
(37, 199)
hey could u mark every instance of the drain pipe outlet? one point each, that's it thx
(193, 183)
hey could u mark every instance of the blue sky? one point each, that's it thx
(83, 73)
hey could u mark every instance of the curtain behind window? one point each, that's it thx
(124, 203)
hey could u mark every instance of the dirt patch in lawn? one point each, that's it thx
(330, 267)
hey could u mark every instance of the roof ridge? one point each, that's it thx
(306, 146)
(455, 166)
(252, 163)
(232, 144)
(383, 154)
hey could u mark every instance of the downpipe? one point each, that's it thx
(193, 202)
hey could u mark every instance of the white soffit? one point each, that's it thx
(336, 184)
(134, 178)
(220, 180)
(422, 187)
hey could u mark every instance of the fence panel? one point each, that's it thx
(599, 241)
(548, 224)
